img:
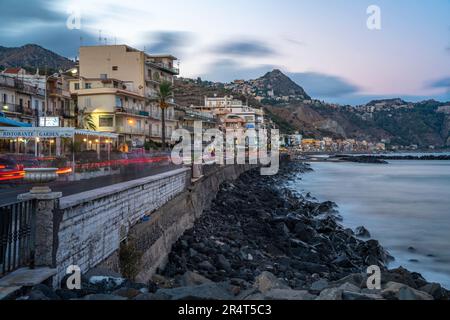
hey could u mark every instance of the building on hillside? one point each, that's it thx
(188, 116)
(19, 100)
(45, 96)
(118, 86)
(232, 113)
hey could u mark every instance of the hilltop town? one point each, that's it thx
(119, 95)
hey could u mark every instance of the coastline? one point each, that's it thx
(261, 241)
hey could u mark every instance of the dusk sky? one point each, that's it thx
(323, 45)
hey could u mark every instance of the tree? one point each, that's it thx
(86, 121)
(164, 93)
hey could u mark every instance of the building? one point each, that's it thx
(187, 117)
(36, 96)
(232, 113)
(20, 100)
(118, 86)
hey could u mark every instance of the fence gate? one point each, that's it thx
(17, 235)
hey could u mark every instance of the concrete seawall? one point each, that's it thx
(154, 239)
(90, 228)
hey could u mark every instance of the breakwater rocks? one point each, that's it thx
(381, 159)
(261, 241)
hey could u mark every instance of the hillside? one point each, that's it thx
(32, 56)
(392, 120)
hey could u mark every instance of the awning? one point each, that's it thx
(13, 123)
(50, 132)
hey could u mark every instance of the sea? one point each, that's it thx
(405, 205)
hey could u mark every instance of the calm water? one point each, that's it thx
(403, 204)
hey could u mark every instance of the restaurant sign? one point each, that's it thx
(11, 133)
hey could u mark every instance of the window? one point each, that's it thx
(103, 76)
(5, 98)
(115, 68)
(88, 102)
(77, 86)
(88, 85)
(36, 104)
(105, 121)
(21, 102)
(119, 102)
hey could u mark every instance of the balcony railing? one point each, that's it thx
(136, 112)
(20, 86)
(165, 67)
(131, 130)
(15, 108)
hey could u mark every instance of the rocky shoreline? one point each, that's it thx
(381, 159)
(261, 241)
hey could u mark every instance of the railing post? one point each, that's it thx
(42, 233)
(46, 201)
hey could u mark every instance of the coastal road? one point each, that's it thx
(9, 193)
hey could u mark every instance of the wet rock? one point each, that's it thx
(106, 283)
(394, 290)
(128, 293)
(360, 296)
(357, 279)
(267, 281)
(330, 294)
(207, 266)
(223, 263)
(43, 292)
(193, 279)
(211, 291)
(362, 232)
(435, 290)
(103, 297)
(288, 294)
(319, 285)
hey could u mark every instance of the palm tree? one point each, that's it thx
(164, 93)
(86, 121)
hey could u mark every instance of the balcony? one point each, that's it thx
(135, 112)
(20, 86)
(164, 67)
(131, 130)
(15, 108)
(59, 92)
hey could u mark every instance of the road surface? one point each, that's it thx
(9, 192)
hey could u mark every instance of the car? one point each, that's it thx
(10, 169)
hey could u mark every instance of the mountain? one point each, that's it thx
(423, 124)
(281, 85)
(32, 56)
(395, 121)
(274, 87)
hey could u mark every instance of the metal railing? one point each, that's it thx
(17, 235)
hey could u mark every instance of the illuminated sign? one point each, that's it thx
(48, 122)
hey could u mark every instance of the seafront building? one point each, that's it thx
(118, 86)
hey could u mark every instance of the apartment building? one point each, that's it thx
(24, 96)
(118, 86)
(232, 113)
(20, 98)
(188, 116)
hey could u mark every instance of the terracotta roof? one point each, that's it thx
(12, 70)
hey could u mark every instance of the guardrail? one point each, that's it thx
(17, 235)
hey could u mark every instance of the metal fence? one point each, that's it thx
(17, 236)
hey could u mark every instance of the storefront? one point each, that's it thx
(54, 141)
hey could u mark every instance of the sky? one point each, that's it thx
(325, 46)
